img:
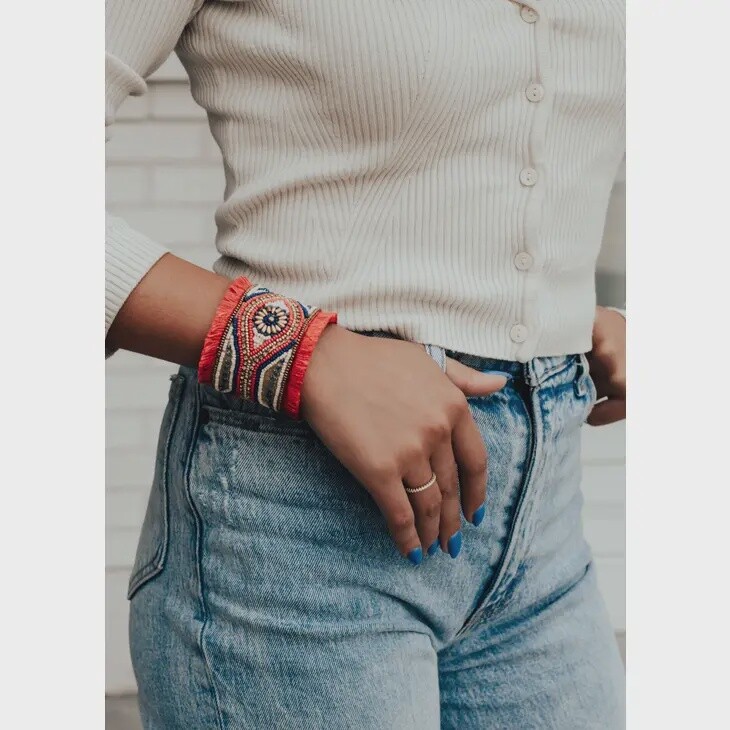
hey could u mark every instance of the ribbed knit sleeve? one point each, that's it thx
(129, 256)
(140, 35)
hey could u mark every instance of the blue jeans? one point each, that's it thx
(267, 592)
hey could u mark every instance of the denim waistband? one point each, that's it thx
(533, 372)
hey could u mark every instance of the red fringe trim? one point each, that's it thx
(220, 321)
(293, 393)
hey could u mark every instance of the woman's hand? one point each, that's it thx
(608, 367)
(382, 406)
(388, 413)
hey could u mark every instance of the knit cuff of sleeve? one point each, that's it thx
(259, 346)
(129, 256)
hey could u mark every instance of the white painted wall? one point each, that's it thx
(164, 176)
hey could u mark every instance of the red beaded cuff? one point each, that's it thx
(259, 346)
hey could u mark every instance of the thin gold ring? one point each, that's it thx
(423, 487)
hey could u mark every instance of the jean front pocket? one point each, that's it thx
(152, 545)
(285, 530)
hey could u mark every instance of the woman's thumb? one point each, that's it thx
(472, 382)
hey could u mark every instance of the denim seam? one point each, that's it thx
(508, 585)
(157, 563)
(513, 537)
(138, 578)
(245, 420)
(527, 502)
(502, 589)
(548, 600)
(198, 556)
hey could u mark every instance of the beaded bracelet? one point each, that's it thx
(259, 345)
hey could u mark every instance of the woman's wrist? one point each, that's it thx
(259, 346)
(169, 312)
(329, 347)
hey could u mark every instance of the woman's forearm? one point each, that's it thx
(169, 312)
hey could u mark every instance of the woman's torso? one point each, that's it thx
(439, 169)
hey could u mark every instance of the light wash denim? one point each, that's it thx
(267, 592)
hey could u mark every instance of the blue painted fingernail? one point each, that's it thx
(434, 547)
(498, 372)
(455, 544)
(478, 515)
(416, 556)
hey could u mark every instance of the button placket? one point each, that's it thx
(536, 14)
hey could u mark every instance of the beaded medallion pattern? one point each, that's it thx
(258, 346)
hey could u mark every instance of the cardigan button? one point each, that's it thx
(518, 333)
(535, 92)
(523, 261)
(528, 176)
(528, 14)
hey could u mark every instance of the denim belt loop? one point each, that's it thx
(532, 377)
(581, 382)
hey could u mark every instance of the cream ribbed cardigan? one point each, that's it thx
(439, 169)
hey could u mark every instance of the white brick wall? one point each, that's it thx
(164, 176)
